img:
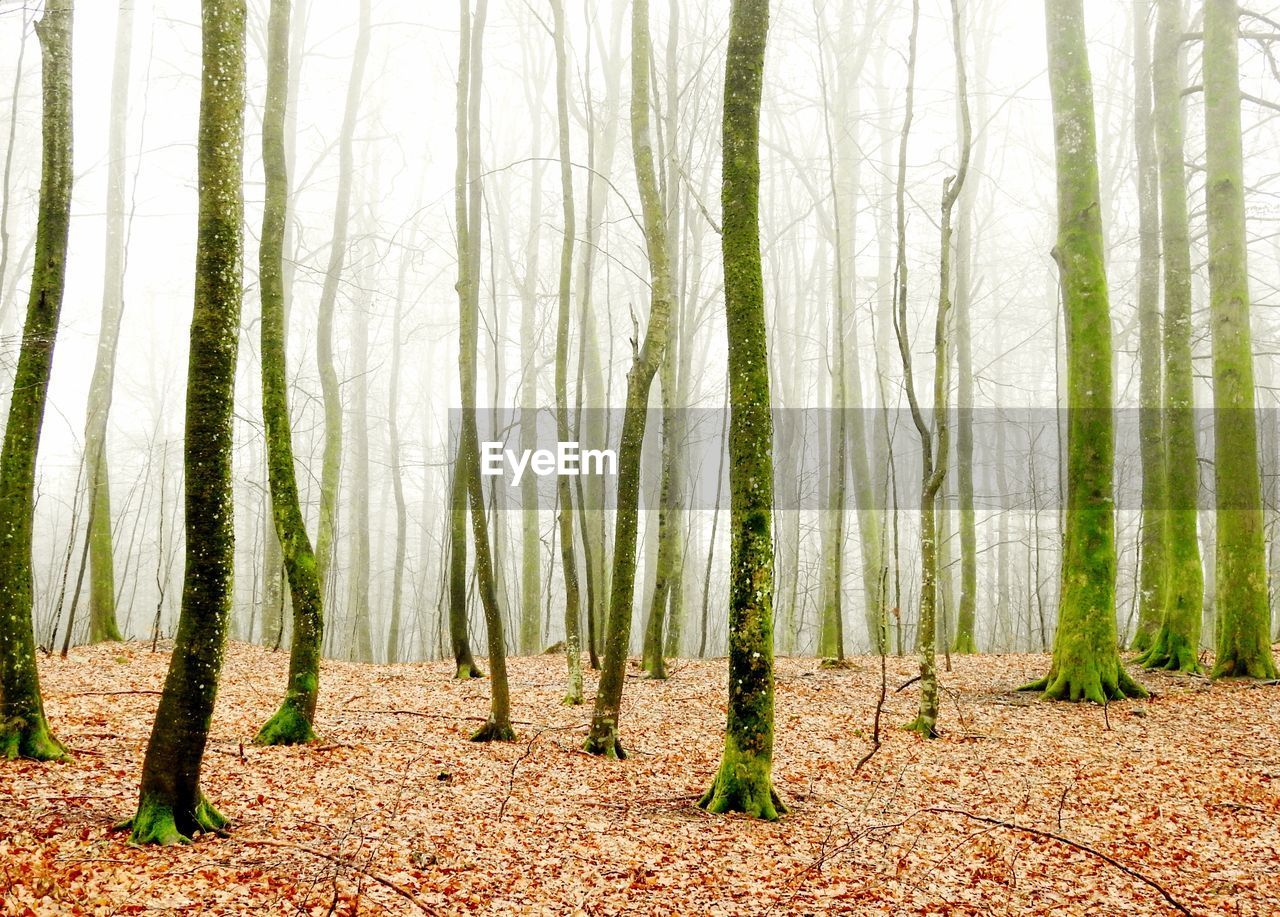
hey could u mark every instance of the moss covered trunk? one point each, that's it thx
(102, 597)
(1177, 641)
(294, 722)
(171, 807)
(23, 729)
(1154, 540)
(744, 782)
(1086, 660)
(648, 356)
(1243, 624)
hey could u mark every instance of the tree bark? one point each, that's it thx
(102, 606)
(171, 806)
(648, 357)
(1243, 624)
(1176, 645)
(744, 782)
(294, 722)
(1086, 662)
(331, 467)
(1154, 540)
(24, 732)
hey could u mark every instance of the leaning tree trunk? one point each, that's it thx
(744, 782)
(1086, 662)
(1243, 625)
(171, 806)
(331, 464)
(102, 596)
(24, 731)
(293, 723)
(648, 356)
(568, 557)
(1177, 644)
(1152, 575)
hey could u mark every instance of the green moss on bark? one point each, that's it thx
(23, 728)
(171, 805)
(158, 823)
(1243, 638)
(1086, 660)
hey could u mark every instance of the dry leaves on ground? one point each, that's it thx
(396, 812)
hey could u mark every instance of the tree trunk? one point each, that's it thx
(294, 722)
(24, 731)
(1177, 643)
(395, 639)
(170, 805)
(498, 727)
(744, 782)
(1154, 544)
(464, 663)
(1086, 662)
(331, 467)
(568, 557)
(359, 609)
(603, 738)
(102, 606)
(1243, 626)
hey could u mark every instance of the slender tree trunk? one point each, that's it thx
(359, 610)
(1243, 626)
(1086, 662)
(1154, 540)
(395, 638)
(1176, 644)
(465, 664)
(171, 806)
(568, 557)
(24, 731)
(530, 541)
(603, 738)
(331, 467)
(293, 723)
(102, 609)
(744, 782)
(498, 727)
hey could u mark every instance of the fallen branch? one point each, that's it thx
(1085, 848)
(344, 862)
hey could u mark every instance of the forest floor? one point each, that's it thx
(1020, 807)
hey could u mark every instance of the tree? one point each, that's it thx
(934, 443)
(647, 357)
(470, 197)
(1176, 644)
(744, 782)
(1086, 661)
(1243, 639)
(568, 557)
(24, 732)
(171, 807)
(331, 463)
(1154, 542)
(102, 583)
(294, 722)
(464, 663)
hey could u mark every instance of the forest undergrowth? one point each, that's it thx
(1165, 805)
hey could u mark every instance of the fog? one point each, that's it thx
(834, 88)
